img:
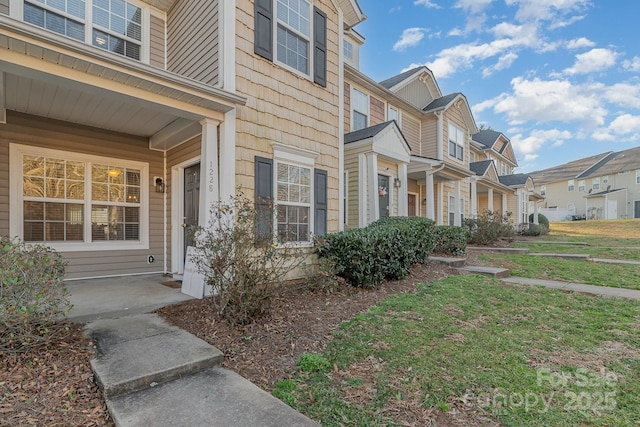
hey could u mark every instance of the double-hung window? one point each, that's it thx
(456, 142)
(294, 33)
(393, 114)
(360, 110)
(638, 176)
(543, 190)
(77, 202)
(571, 185)
(113, 25)
(293, 202)
(581, 186)
(595, 183)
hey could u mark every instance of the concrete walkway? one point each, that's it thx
(604, 291)
(156, 374)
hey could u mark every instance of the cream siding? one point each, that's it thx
(376, 111)
(416, 93)
(4, 7)
(454, 116)
(347, 107)
(40, 132)
(192, 40)
(157, 42)
(411, 131)
(429, 137)
(287, 108)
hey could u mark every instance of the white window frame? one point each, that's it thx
(347, 48)
(17, 12)
(459, 145)
(638, 176)
(605, 179)
(289, 155)
(308, 38)
(581, 186)
(391, 108)
(452, 209)
(571, 185)
(595, 183)
(16, 218)
(355, 91)
(543, 190)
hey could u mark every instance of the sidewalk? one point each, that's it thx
(604, 291)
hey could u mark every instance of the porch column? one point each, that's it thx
(403, 197)
(374, 203)
(363, 200)
(490, 200)
(519, 210)
(209, 169)
(228, 156)
(535, 212)
(474, 199)
(430, 197)
(458, 217)
(440, 214)
(504, 203)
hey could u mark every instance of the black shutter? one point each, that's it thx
(320, 202)
(263, 31)
(319, 47)
(264, 200)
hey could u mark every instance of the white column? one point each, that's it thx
(458, 212)
(3, 110)
(228, 156)
(374, 202)
(227, 52)
(209, 169)
(363, 200)
(403, 197)
(430, 197)
(440, 215)
(490, 199)
(535, 212)
(474, 199)
(504, 204)
(519, 210)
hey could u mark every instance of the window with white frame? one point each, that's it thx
(294, 33)
(78, 202)
(472, 157)
(452, 210)
(347, 48)
(393, 114)
(293, 210)
(456, 142)
(504, 169)
(605, 179)
(638, 176)
(571, 185)
(581, 186)
(595, 183)
(113, 25)
(543, 190)
(360, 110)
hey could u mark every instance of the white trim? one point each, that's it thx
(227, 21)
(418, 202)
(293, 154)
(16, 215)
(309, 39)
(177, 213)
(362, 189)
(342, 215)
(368, 112)
(3, 110)
(345, 199)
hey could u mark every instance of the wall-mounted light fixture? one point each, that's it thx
(396, 182)
(159, 184)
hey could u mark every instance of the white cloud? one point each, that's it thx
(426, 3)
(622, 94)
(632, 64)
(472, 6)
(503, 63)
(551, 100)
(410, 37)
(580, 43)
(595, 60)
(549, 10)
(625, 124)
(530, 145)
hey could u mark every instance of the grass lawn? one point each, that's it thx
(470, 348)
(577, 271)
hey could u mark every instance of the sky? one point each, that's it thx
(560, 78)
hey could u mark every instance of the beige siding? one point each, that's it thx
(192, 40)
(416, 93)
(454, 116)
(4, 7)
(40, 132)
(376, 111)
(287, 108)
(428, 146)
(411, 131)
(157, 42)
(347, 107)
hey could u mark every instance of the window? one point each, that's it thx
(456, 142)
(393, 114)
(472, 157)
(452, 210)
(581, 186)
(638, 176)
(605, 179)
(115, 25)
(504, 169)
(345, 195)
(293, 202)
(360, 110)
(571, 185)
(348, 49)
(595, 183)
(79, 202)
(296, 32)
(543, 190)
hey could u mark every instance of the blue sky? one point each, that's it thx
(561, 78)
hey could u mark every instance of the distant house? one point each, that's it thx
(604, 186)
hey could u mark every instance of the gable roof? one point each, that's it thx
(515, 180)
(395, 146)
(620, 161)
(568, 170)
(393, 81)
(442, 102)
(365, 133)
(481, 167)
(487, 137)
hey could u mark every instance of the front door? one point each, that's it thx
(411, 200)
(191, 203)
(383, 195)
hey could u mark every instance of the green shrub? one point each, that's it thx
(530, 229)
(543, 221)
(311, 362)
(386, 249)
(33, 297)
(241, 271)
(450, 240)
(488, 228)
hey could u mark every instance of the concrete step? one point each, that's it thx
(563, 256)
(451, 262)
(488, 271)
(214, 397)
(135, 352)
(615, 261)
(517, 251)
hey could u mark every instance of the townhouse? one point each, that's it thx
(603, 186)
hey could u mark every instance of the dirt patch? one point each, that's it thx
(594, 361)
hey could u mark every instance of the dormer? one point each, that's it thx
(417, 86)
(351, 48)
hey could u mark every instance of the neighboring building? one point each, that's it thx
(604, 186)
(118, 130)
